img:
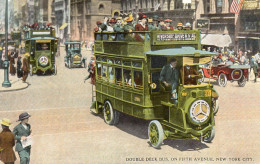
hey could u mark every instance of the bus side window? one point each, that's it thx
(138, 80)
(118, 74)
(111, 74)
(104, 72)
(127, 78)
(99, 71)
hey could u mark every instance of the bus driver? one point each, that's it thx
(169, 76)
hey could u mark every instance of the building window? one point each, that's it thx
(219, 5)
(250, 26)
(101, 8)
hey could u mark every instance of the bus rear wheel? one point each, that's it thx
(111, 116)
(155, 133)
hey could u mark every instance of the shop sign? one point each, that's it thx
(202, 23)
(251, 4)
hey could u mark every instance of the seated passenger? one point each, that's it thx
(151, 26)
(141, 26)
(127, 78)
(119, 29)
(169, 76)
(180, 26)
(129, 26)
(190, 75)
(162, 25)
(138, 79)
(111, 24)
(168, 24)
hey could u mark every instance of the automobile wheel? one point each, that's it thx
(236, 74)
(155, 133)
(31, 70)
(210, 136)
(54, 70)
(222, 80)
(242, 81)
(202, 76)
(111, 116)
(215, 106)
(69, 64)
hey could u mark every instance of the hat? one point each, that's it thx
(99, 22)
(141, 16)
(129, 19)
(112, 20)
(150, 20)
(179, 24)
(5, 122)
(23, 116)
(167, 20)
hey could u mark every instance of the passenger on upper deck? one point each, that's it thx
(103, 26)
(119, 29)
(180, 26)
(111, 24)
(141, 27)
(168, 24)
(151, 26)
(97, 28)
(155, 21)
(161, 25)
(129, 26)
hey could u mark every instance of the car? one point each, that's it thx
(73, 56)
(223, 73)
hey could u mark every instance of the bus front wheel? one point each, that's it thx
(155, 133)
(211, 136)
(111, 116)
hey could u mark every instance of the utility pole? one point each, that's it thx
(6, 82)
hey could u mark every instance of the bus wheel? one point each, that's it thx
(211, 136)
(54, 69)
(215, 106)
(111, 116)
(222, 80)
(31, 69)
(155, 133)
(242, 81)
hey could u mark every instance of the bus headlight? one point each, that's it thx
(199, 111)
(153, 86)
(184, 93)
(43, 60)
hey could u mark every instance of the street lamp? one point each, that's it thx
(6, 82)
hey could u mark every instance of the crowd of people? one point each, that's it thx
(128, 24)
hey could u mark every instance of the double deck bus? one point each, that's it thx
(128, 68)
(41, 44)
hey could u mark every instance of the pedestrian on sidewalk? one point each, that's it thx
(256, 69)
(7, 142)
(25, 66)
(11, 55)
(21, 132)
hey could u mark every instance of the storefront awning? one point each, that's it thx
(219, 40)
(63, 26)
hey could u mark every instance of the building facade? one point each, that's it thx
(85, 14)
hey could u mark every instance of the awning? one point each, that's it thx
(63, 26)
(219, 40)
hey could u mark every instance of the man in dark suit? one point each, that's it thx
(7, 143)
(169, 76)
(21, 132)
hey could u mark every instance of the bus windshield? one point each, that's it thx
(42, 46)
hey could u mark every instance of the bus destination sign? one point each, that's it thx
(176, 37)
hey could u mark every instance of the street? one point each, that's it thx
(65, 132)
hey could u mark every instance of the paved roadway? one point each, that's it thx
(66, 133)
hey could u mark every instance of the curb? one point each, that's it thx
(2, 89)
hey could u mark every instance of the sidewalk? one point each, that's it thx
(16, 84)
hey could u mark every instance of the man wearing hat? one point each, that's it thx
(7, 143)
(161, 25)
(25, 66)
(119, 29)
(151, 26)
(168, 24)
(129, 26)
(155, 21)
(141, 26)
(180, 26)
(21, 132)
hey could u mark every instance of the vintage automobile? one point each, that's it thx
(41, 44)
(223, 73)
(127, 81)
(73, 56)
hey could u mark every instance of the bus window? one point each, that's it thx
(158, 61)
(155, 79)
(42, 46)
(118, 74)
(118, 62)
(104, 72)
(109, 61)
(99, 71)
(111, 74)
(127, 78)
(137, 64)
(98, 58)
(104, 60)
(138, 80)
(127, 63)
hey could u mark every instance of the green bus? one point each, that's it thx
(127, 81)
(41, 44)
